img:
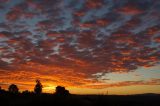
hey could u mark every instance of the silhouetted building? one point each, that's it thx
(38, 87)
(61, 91)
(13, 88)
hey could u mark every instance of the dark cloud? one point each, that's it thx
(5, 34)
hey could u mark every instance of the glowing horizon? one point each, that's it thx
(88, 46)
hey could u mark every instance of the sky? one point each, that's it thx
(88, 46)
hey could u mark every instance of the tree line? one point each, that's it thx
(60, 90)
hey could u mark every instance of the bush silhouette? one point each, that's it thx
(26, 92)
(61, 91)
(13, 88)
(38, 87)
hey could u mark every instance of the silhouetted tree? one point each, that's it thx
(13, 88)
(66, 92)
(2, 91)
(25, 92)
(61, 91)
(38, 87)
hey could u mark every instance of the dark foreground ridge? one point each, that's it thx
(62, 97)
(32, 99)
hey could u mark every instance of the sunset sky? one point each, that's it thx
(88, 46)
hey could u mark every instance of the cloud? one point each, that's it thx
(130, 9)
(45, 24)
(91, 4)
(19, 12)
(125, 83)
(54, 34)
(79, 13)
(153, 30)
(5, 34)
(52, 39)
(132, 23)
(12, 15)
(157, 39)
(102, 22)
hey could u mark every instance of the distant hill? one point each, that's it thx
(148, 94)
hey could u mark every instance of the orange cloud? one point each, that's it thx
(79, 13)
(54, 34)
(50, 75)
(130, 9)
(157, 39)
(125, 83)
(5, 34)
(94, 3)
(102, 22)
(153, 30)
(87, 25)
(12, 15)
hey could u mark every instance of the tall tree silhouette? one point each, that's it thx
(13, 88)
(38, 87)
(61, 91)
